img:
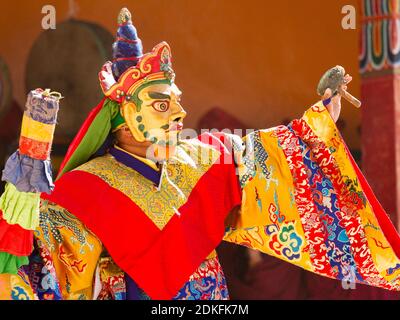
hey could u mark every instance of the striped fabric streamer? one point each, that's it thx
(38, 123)
(29, 168)
(28, 173)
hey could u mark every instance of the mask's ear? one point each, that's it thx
(129, 113)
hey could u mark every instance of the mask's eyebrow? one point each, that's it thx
(158, 95)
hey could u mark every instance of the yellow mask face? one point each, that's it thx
(154, 113)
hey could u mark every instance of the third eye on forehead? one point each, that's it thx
(159, 95)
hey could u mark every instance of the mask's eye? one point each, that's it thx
(160, 106)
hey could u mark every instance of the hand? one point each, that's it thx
(106, 76)
(335, 106)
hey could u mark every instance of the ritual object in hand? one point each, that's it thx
(29, 168)
(334, 79)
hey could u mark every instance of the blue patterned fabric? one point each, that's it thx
(325, 199)
(207, 288)
(43, 280)
(28, 174)
(207, 283)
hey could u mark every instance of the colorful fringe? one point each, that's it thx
(10, 263)
(28, 173)
(16, 244)
(29, 168)
(20, 208)
(14, 239)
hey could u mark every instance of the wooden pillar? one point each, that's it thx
(380, 93)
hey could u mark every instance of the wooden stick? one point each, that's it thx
(350, 98)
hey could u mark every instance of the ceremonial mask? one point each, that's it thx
(145, 90)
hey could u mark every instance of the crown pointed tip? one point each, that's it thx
(124, 16)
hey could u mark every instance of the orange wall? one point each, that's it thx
(257, 59)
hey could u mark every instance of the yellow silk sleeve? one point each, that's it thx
(305, 201)
(16, 287)
(72, 248)
(268, 202)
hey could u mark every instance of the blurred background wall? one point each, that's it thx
(264, 57)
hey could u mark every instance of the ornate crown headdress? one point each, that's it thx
(130, 67)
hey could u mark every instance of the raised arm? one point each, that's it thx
(305, 201)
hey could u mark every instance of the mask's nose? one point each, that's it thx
(178, 113)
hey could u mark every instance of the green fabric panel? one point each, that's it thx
(10, 263)
(117, 120)
(94, 137)
(20, 208)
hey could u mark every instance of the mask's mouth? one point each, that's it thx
(176, 126)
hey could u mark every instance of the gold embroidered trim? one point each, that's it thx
(180, 175)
